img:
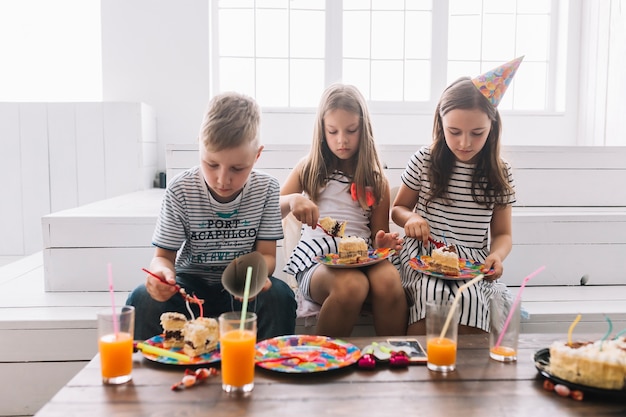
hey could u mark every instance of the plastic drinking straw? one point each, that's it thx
(518, 297)
(455, 302)
(571, 329)
(154, 350)
(116, 325)
(608, 333)
(617, 336)
(246, 294)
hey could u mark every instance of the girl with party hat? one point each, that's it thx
(459, 190)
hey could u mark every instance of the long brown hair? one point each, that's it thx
(490, 175)
(321, 162)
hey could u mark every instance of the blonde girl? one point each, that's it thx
(342, 178)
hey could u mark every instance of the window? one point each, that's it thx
(400, 53)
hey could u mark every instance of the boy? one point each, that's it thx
(212, 214)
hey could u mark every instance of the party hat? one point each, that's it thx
(493, 83)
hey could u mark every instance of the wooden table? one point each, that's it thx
(479, 386)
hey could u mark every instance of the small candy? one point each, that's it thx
(399, 359)
(562, 390)
(189, 380)
(367, 361)
(191, 377)
(548, 385)
(577, 395)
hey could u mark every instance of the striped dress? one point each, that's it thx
(463, 223)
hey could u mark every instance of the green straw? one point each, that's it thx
(246, 294)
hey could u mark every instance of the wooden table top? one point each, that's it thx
(479, 386)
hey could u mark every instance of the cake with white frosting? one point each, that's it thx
(599, 364)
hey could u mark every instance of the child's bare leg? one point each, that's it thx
(388, 299)
(341, 293)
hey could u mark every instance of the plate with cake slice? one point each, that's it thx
(341, 260)
(202, 359)
(600, 374)
(467, 268)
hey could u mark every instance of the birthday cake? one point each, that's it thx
(200, 336)
(599, 364)
(446, 260)
(173, 324)
(352, 249)
(333, 227)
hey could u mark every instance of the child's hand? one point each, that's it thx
(305, 211)
(417, 228)
(493, 261)
(159, 290)
(388, 240)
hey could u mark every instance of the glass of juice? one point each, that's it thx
(504, 331)
(237, 349)
(115, 343)
(441, 349)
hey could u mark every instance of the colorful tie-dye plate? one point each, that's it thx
(305, 354)
(203, 359)
(334, 261)
(469, 269)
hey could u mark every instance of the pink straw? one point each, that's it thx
(116, 325)
(516, 302)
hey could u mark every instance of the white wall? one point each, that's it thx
(57, 156)
(157, 52)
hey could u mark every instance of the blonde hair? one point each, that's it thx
(231, 120)
(321, 162)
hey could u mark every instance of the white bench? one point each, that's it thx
(568, 214)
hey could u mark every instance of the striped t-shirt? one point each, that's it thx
(210, 234)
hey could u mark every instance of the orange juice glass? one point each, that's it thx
(504, 331)
(441, 349)
(237, 349)
(115, 344)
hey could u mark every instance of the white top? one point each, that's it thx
(335, 201)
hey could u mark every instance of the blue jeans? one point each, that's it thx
(275, 308)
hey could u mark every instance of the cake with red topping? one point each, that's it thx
(445, 260)
(599, 364)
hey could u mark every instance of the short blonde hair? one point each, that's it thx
(231, 120)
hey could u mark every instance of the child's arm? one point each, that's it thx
(501, 240)
(162, 265)
(292, 200)
(402, 214)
